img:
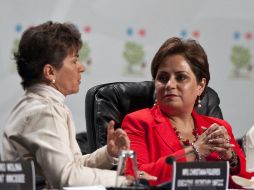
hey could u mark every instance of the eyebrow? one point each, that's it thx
(177, 72)
(74, 58)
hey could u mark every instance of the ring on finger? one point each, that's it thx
(141, 174)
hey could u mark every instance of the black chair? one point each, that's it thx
(114, 100)
(82, 142)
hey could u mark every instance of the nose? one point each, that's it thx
(171, 83)
(82, 67)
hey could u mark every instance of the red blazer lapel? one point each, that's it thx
(165, 131)
(199, 122)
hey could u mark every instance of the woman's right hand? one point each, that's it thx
(117, 140)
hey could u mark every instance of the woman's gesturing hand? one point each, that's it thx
(117, 140)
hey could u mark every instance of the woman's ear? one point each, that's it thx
(201, 86)
(49, 73)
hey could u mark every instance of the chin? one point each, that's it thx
(170, 106)
(73, 92)
(76, 91)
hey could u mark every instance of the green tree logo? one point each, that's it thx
(84, 55)
(15, 46)
(134, 55)
(241, 60)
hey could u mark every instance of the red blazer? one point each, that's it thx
(153, 139)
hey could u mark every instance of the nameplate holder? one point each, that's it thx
(200, 175)
(18, 175)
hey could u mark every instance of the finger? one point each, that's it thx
(216, 133)
(122, 142)
(212, 128)
(217, 141)
(225, 147)
(224, 129)
(220, 142)
(119, 131)
(144, 175)
(228, 145)
(110, 138)
(111, 128)
(130, 180)
(202, 137)
(203, 128)
(220, 149)
(220, 139)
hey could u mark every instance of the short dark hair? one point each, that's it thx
(47, 43)
(190, 49)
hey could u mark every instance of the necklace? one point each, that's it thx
(186, 142)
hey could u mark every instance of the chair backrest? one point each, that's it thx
(114, 100)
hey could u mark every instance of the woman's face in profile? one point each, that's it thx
(68, 77)
(176, 85)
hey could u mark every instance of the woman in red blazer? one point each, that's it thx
(171, 127)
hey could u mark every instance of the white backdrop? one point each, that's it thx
(224, 28)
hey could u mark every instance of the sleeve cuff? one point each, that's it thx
(112, 160)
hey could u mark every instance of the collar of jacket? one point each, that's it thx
(164, 128)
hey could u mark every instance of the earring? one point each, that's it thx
(155, 102)
(53, 81)
(199, 102)
(155, 99)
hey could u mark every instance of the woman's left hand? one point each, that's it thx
(218, 136)
(117, 140)
(146, 176)
(140, 175)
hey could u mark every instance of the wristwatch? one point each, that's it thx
(233, 161)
